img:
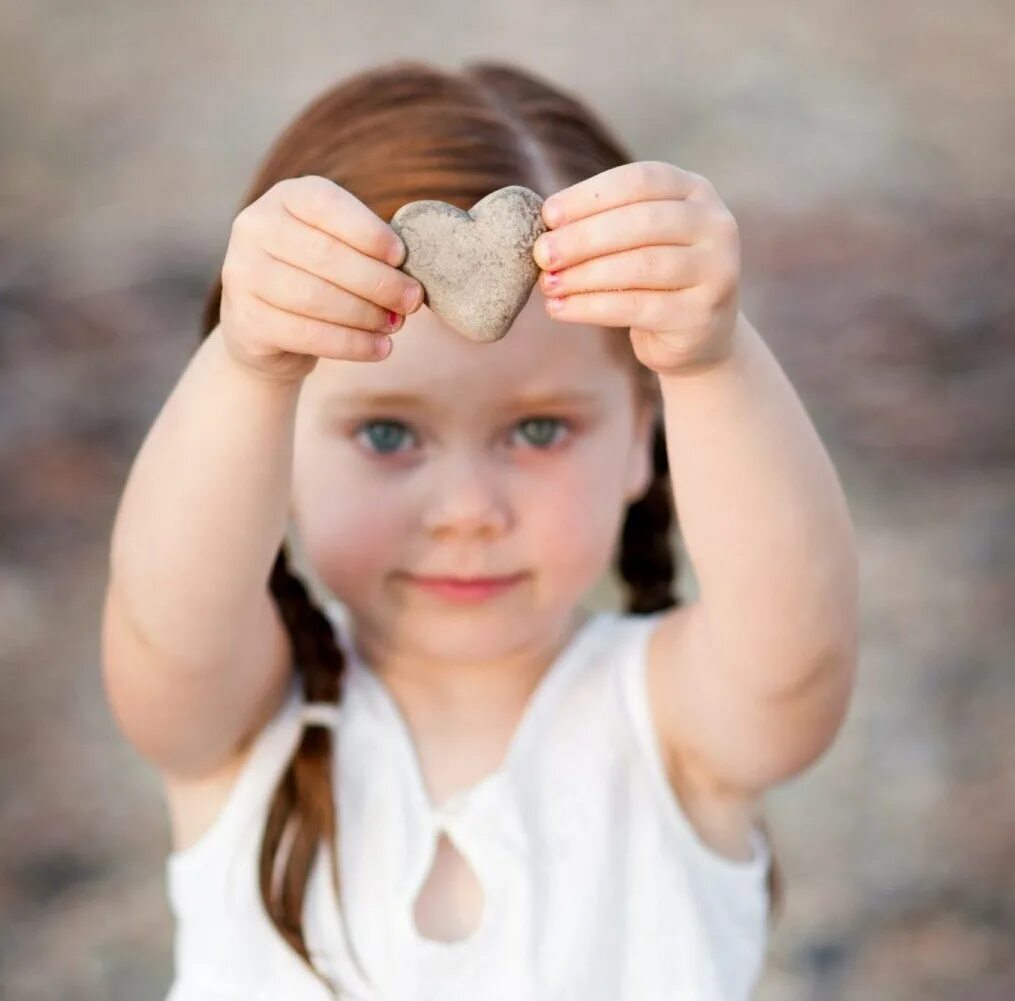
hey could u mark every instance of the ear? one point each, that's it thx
(640, 468)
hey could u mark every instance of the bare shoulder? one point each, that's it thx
(195, 802)
(721, 813)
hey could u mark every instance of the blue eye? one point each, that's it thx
(540, 429)
(384, 435)
(389, 434)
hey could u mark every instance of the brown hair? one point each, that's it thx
(396, 133)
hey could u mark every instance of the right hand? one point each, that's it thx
(310, 272)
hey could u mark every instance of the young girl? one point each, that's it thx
(429, 771)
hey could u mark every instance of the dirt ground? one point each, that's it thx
(865, 150)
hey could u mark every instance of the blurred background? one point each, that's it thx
(866, 150)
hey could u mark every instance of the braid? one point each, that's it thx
(303, 803)
(647, 562)
(302, 812)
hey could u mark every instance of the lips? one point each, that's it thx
(464, 581)
(464, 589)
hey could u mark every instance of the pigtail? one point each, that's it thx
(302, 812)
(647, 561)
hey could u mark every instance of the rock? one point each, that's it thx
(476, 267)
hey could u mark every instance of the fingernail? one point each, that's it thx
(552, 280)
(393, 319)
(552, 213)
(411, 299)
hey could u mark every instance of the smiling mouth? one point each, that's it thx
(460, 590)
(466, 581)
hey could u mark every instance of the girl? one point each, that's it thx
(428, 771)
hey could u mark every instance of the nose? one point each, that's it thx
(467, 498)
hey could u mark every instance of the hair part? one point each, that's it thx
(396, 133)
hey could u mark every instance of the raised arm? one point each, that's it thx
(763, 661)
(195, 656)
(193, 650)
(755, 675)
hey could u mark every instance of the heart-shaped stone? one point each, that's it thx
(476, 267)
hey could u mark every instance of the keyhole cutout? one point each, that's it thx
(450, 903)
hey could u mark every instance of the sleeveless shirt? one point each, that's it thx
(595, 885)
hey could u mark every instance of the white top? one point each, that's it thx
(596, 887)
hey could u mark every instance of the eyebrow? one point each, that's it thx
(410, 400)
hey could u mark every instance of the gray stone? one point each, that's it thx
(476, 267)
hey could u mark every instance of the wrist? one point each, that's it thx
(722, 359)
(285, 378)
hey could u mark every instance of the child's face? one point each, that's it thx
(469, 483)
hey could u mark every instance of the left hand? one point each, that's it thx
(651, 247)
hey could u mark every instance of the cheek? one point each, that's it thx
(349, 534)
(359, 535)
(573, 520)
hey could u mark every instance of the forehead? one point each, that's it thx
(539, 355)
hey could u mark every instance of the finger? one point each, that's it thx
(320, 253)
(646, 180)
(630, 308)
(310, 336)
(295, 290)
(664, 267)
(327, 206)
(637, 225)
